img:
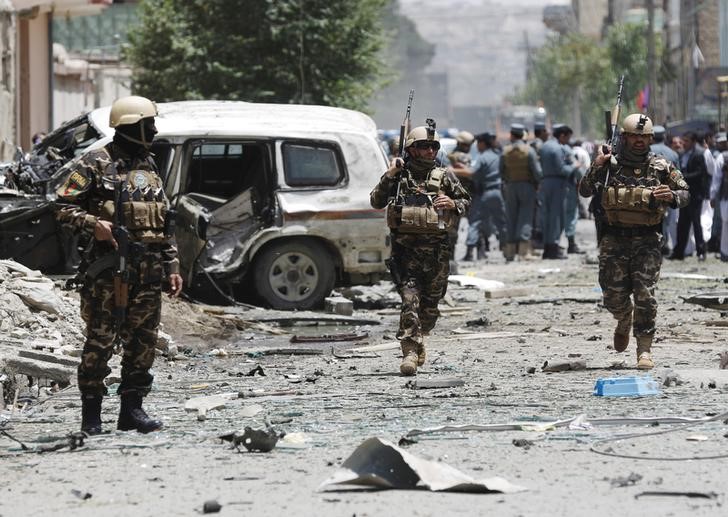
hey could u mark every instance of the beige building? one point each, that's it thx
(27, 75)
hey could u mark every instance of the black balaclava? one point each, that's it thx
(136, 138)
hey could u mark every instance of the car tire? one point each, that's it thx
(294, 275)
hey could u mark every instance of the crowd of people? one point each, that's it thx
(524, 191)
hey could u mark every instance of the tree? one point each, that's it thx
(573, 64)
(285, 51)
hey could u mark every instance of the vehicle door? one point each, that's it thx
(224, 189)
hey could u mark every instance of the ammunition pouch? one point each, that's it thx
(145, 220)
(418, 219)
(631, 206)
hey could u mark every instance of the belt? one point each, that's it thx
(633, 231)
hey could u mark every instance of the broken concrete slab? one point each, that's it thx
(339, 305)
(478, 283)
(49, 358)
(40, 369)
(381, 464)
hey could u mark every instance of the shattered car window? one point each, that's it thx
(224, 170)
(311, 166)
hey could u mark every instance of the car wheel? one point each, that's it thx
(294, 275)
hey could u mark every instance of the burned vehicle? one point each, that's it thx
(28, 231)
(270, 199)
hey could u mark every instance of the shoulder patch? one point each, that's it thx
(75, 184)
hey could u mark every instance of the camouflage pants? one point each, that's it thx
(631, 266)
(138, 335)
(423, 271)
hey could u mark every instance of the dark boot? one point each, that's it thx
(553, 252)
(469, 254)
(573, 248)
(91, 414)
(132, 416)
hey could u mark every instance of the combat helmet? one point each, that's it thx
(638, 124)
(465, 138)
(130, 110)
(422, 134)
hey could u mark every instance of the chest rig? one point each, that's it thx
(411, 210)
(627, 199)
(136, 192)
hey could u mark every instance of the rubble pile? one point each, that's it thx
(40, 327)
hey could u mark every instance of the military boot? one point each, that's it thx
(132, 416)
(573, 248)
(469, 254)
(525, 251)
(421, 354)
(409, 358)
(91, 414)
(509, 251)
(621, 334)
(644, 356)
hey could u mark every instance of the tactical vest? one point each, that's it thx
(632, 204)
(412, 211)
(143, 205)
(515, 163)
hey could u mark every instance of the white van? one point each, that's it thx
(270, 197)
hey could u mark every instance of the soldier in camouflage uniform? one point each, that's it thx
(634, 189)
(423, 201)
(119, 183)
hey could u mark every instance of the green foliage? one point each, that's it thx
(283, 51)
(574, 65)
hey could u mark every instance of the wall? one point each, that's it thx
(7, 81)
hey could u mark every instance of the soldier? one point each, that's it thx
(422, 202)
(488, 205)
(521, 173)
(116, 184)
(557, 169)
(634, 188)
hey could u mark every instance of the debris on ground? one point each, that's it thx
(379, 463)
(254, 440)
(563, 366)
(624, 481)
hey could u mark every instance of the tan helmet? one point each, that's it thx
(420, 134)
(638, 124)
(130, 110)
(465, 138)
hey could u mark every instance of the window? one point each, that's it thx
(224, 170)
(311, 165)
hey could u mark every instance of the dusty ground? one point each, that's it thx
(340, 402)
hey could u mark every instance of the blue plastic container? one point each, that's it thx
(626, 387)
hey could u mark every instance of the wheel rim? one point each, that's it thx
(293, 276)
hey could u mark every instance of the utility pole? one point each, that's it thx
(651, 65)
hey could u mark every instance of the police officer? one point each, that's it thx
(111, 190)
(422, 201)
(460, 161)
(634, 188)
(521, 173)
(557, 170)
(669, 223)
(488, 207)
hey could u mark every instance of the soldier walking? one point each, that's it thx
(423, 201)
(521, 174)
(115, 195)
(635, 187)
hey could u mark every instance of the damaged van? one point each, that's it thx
(270, 198)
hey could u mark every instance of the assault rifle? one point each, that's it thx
(405, 124)
(121, 271)
(612, 120)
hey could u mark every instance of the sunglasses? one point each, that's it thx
(428, 145)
